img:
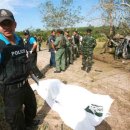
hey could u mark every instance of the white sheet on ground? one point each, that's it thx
(79, 108)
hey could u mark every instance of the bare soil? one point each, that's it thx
(108, 76)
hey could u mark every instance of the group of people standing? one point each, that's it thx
(19, 60)
(31, 47)
(64, 49)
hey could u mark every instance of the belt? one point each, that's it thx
(16, 85)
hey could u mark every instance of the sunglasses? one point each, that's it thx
(6, 23)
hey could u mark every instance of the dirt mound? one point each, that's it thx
(109, 58)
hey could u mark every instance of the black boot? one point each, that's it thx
(83, 68)
(88, 69)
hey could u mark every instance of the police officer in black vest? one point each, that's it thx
(14, 71)
(31, 46)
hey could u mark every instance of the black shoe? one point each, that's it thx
(82, 68)
(70, 62)
(88, 70)
(52, 66)
(57, 71)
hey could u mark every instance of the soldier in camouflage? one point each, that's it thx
(89, 44)
(60, 45)
(68, 51)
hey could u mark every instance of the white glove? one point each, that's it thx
(55, 51)
(30, 52)
(52, 41)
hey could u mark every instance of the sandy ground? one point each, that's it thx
(111, 79)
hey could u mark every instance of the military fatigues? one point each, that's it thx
(14, 86)
(89, 44)
(60, 45)
(39, 40)
(67, 52)
(76, 46)
(71, 58)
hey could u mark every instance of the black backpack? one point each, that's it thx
(15, 64)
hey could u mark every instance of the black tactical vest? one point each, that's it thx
(15, 66)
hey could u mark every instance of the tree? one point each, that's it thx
(67, 2)
(108, 7)
(62, 16)
(125, 3)
(114, 11)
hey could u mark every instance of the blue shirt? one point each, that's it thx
(32, 40)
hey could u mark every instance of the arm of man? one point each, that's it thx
(94, 43)
(34, 46)
(73, 41)
(52, 44)
(56, 41)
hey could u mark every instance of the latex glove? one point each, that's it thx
(52, 41)
(30, 52)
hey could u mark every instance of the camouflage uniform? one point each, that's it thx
(89, 44)
(60, 52)
(68, 51)
(76, 43)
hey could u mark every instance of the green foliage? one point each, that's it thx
(66, 2)
(99, 33)
(61, 16)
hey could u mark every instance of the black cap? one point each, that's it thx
(6, 15)
(26, 32)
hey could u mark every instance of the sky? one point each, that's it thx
(27, 13)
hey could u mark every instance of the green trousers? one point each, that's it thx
(87, 60)
(60, 59)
